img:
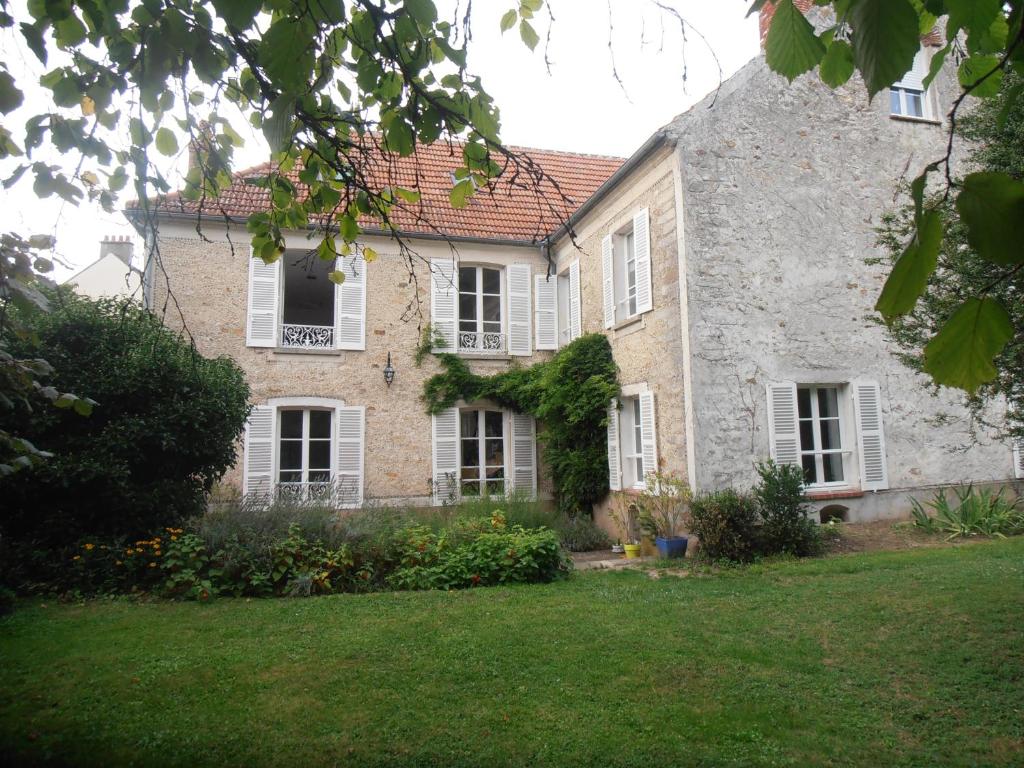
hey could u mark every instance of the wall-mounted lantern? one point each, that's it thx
(389, 372)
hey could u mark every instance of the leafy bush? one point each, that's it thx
(662, 505)
(164, 428)
(785, 525)
(975, 513)
(727, 524)
(579, 534)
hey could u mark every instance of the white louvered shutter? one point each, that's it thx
(575, 314)
(258, 467)
(545, 299)
(350, 304)
(524, 453)
(1018, 458)
(867, 403)
(264, 292)
(648, 433)
(642, 250)
(914, 79)
(614, 460)
(348, 470)
(608, 280)
(444, 295)
(445, 435)
(519, 310)
(783, 423)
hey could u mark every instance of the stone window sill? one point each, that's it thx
(302, 351)
(482, 356)
(842, 493)
(912, 119)
(630, 325)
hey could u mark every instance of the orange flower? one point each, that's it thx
(90, 547)
(152, 565)
(77, 557)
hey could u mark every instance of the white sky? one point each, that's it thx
(578, 106)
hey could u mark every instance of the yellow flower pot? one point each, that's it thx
(632, 551)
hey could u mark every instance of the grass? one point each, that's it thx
(899, 659)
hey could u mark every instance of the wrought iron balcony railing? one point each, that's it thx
(482, 343)
(307, 336)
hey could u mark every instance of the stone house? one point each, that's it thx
(112, 275)
(728, 260)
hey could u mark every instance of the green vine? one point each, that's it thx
(568, 395)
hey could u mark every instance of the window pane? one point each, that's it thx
(492, 281)
(810, 469)
(495, 473)
(915, 107)
(803, 403)
(470, 422)
(495, 487)
(493, 423)
(467, 279)
(492, 308)
(470, 473)
(320, 424)
(291, 454)
(291, 423)
(895, 107)
(830, 434)
(287, 476)
(470, 453)
(494, 452)
(471, 488)
(322, 476)
(828, 402)
(320, 454)
(467, 306)
(807, 435)
(639, 471)
(833, 467)
(627, 242)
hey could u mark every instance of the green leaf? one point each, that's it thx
(10, 95)
(327, 251)
(238, 13)
(885, 40)
(166, 142)
(982, 72)
(529, 34)
(962, 352)
(935, 65)
(791, 47)
(422, 11)
(336, 277)
(409, 195)
(991, 206)
(910, 274)
(286, 53)
(460, 193)
(508, 20)
(837, 66)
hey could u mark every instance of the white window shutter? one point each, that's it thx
(867, 405)
(914, 79)
(575, 316)
(264, 293)
(445, 434)
(614, 460)
(1018, 458)
(546, 311)
(519, 310)
(642, 249)
(258, 465)
(783, 423)
(524, 453)
(350, 304)
(608, 277)
(444, 296)
(648, 435)
(348, 469)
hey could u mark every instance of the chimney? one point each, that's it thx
(119, 245)
(768, 10)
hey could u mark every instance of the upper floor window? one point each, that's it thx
(481, 309)
(307, 306)
(907, 97)
(626, 264)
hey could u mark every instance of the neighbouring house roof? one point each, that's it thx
(514, 211)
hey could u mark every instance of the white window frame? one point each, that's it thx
(624, 255)
(304, 484)
(912, 83)
(563, 301)
(631, 456)
(845, 422)
(312, 333)
(502, 347)
(482, 439)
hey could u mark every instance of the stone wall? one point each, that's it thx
(784, 187)
(209, 294)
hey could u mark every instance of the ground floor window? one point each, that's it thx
(821, 434)
(482, 452)
(304, 452)
(632, 443)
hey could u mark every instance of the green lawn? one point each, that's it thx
(911, 659)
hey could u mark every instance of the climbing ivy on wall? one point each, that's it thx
(568, 395)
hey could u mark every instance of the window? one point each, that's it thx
(821, 435)
(307, 317)
(626, 265)
(632, 443)
(482, 452)
(304, 453)
(480, 310)
(564, 329)
(908, 97)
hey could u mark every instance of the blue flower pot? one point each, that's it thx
(673, 547)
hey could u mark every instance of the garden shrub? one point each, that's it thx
(579, 534)
(974, 513)
(163, 431)
(785, 525)
(727, 524)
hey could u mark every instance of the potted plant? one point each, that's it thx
(662, 512)
(624, 512)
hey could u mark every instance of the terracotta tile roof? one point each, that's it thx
(513, 210)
